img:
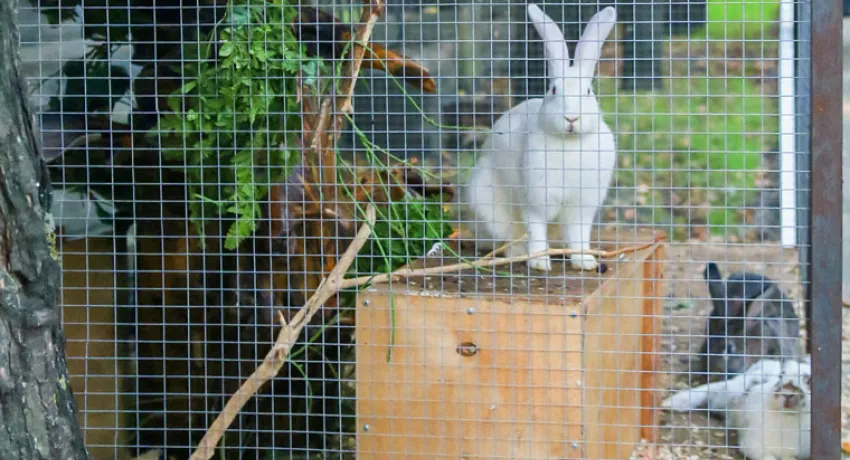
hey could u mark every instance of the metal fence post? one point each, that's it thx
(824, 291)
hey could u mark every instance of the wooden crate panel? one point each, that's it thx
(518, 393)
(562, 368)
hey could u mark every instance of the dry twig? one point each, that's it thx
(275, 358)
(484, 263)
(322, 142)
(505, 246)
(321, 164)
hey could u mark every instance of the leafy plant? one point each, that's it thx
(403, 231)
(235, 123)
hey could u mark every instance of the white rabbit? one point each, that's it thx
(769, 405)
(548, 161)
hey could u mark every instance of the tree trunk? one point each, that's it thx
(37, 409)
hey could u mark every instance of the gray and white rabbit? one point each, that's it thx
(769, 405)
(751, 318)
(548, 161)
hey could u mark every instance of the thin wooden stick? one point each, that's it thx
(323, 169)
(289, 333)
(328, 126)
(322, 141)
(483, 263)
(505, 246)
(362, 37)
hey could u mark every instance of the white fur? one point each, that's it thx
(752, 403)
(539, 171)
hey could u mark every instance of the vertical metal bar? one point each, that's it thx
(825, 291)
(803, 90)
(787, 138)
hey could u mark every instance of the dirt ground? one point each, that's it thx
(693, 435)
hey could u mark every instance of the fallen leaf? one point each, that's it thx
(845, 447)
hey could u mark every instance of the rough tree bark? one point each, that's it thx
(37, 410)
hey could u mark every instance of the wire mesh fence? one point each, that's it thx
(469, 229)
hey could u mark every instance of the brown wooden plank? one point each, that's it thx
(654, 292)
(87, 302)
(612, 345)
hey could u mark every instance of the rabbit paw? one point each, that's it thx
(583, 261)
(681, 401)
(541, 263)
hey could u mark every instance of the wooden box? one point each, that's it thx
(518, 365)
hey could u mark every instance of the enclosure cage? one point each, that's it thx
(431, 229)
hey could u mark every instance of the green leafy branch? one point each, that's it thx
(234, 125)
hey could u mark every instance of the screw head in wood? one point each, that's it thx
(366, 427)
(366, 303)
(470, 310)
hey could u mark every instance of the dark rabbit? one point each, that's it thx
(751, 318)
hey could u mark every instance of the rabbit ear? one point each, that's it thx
(757, 322)
(716, 285)
(762, 308)
(773, 295)
(589, 46)
(555, 46)
(755, 310)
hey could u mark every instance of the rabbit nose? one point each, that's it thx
(571, 120)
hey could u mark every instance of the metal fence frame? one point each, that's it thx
(819, 176)
(824, 308)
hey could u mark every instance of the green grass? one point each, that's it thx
(737, 19)
(698, 142)
(694, 150)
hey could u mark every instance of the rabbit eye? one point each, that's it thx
(730, 348)
(588, 91)
(554, 90)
